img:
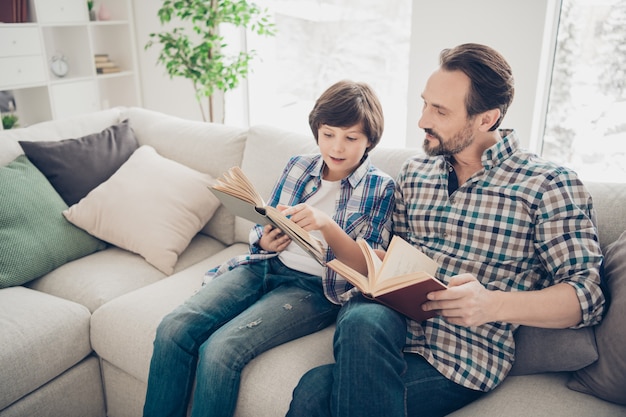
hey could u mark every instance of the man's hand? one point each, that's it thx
(273, 239)
(466, 302)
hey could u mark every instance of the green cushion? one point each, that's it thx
(35, 236)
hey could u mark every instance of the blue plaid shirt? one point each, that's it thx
(363, 210)
(519, 224)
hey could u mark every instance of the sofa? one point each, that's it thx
(76, 328)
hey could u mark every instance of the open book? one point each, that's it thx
(239, 196)
(400, 281)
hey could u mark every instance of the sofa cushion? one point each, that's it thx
(42, 336)
(151, 206)
(71, 127)
(35, 237)
(211, 148)
(540, 350)
(76, 166)
(102, 276)
(606, 378)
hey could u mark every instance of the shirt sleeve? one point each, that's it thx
(377, 231)
(567, 243)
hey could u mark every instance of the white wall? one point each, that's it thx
(159, 92)
(522, 30)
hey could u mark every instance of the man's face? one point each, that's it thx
(444, 116)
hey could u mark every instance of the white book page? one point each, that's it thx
(373, 261)
(402, 259)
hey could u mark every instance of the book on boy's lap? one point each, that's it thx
(400, 281)
(239, 196)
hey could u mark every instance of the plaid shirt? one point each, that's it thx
(363, 210)
(518, 224)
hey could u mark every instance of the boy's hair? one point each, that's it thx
(347, 103)
(491, 77)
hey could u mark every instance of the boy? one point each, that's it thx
(277, 293)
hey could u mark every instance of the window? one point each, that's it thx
(586, 120)
(321, 42)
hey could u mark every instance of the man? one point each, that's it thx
(516, 244)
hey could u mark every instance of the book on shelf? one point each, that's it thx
(105, 64)
(13, 11)
(108, 70)
(401, 280)
(238, 195)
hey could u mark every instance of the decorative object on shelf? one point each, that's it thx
(103, 13)
(59, 65)
(92, 11)
(10, 119)
(104, 65)
(196, 51)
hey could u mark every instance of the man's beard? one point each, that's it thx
(449, 147)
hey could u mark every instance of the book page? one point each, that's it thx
(402, 258)
(241, 208)
(235, 183)
(354, 277)
(371, 259)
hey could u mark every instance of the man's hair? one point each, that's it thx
(492, 84)
(347, 103)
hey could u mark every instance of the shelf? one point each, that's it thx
(62, 28)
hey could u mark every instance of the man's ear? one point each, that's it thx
(488, 119)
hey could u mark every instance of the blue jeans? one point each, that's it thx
(217, 331)
(372, 376)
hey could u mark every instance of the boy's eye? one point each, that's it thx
(351, 138)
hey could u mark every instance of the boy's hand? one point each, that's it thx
(307, 217)
(273, 239)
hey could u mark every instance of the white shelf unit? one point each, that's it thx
(63, 27)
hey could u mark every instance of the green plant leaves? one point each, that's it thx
(194, 51)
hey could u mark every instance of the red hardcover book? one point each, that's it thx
(400, 281)
(7, 11)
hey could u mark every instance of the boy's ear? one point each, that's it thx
(488, 119)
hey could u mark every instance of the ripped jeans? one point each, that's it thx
(228, 322)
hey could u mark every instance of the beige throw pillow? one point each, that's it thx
(151, 206)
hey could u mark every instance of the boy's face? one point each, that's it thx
(342, 149)
(444, 115)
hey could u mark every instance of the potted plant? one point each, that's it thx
(196, 51)
(92, 11)
(9, 121)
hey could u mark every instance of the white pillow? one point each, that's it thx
(151, 206)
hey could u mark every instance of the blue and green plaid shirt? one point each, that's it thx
(364, 209)
(519, 224)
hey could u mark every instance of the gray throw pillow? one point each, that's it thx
(74, 167)
(606, 378)
(540, 350)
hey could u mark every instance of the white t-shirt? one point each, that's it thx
(325, 199)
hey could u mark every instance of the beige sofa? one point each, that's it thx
(78, 340)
